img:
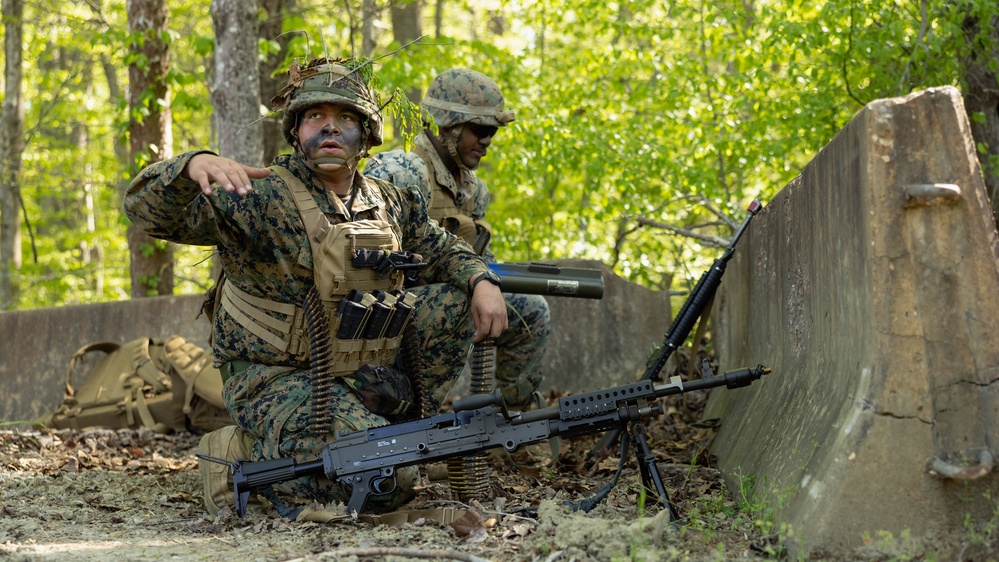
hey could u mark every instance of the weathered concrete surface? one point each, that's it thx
(594, 343)
(879, 314)
(600, 343)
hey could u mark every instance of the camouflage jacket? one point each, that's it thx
(262, 244)
(423, 169)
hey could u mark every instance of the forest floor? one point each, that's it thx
(136, 495)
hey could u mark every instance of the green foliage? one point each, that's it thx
(629, 115)
(884, 545)
(983, 536)
(73, 170)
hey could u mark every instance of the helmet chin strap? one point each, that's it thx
(451, 142)
(465, 173)
(332, 163)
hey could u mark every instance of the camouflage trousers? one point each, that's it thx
(275, 402)
(521, 347)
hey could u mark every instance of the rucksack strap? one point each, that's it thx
(147, 369)
(107, 347)
(145, 415)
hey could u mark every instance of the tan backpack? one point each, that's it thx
(166, 386)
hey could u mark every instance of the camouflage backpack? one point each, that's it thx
(166, 386)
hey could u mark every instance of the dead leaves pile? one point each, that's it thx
(138, 451)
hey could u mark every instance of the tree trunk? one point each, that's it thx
(981, 101)
(270, 30)
(407, 20)
(438, 18)
(91, 254)
(150, 137)
(407, 26)
(369, 12)
(114, 96)
(236, 92)
(11, 149)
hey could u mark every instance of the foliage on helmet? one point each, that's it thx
(341, 82)
(460, 95)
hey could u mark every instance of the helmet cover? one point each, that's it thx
(459, 95)
(341, 82)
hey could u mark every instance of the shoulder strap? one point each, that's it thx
(145, 367)
(193, 365)
(317, 226)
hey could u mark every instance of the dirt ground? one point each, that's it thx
(136, 495)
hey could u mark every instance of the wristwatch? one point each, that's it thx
(487, 276)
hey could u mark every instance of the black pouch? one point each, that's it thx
(383, 390)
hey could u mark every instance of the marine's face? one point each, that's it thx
(473, 143)
(330, 130)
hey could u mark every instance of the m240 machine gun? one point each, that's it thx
(367, 460)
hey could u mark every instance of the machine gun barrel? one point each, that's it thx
(587, 405)
(549, 279)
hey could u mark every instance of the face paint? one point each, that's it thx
(330, 137)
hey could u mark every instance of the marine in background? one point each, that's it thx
(469, 110)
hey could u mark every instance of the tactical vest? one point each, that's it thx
(333, 247)
(457, 219)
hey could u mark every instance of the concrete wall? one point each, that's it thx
(594, 343)
(875, 299)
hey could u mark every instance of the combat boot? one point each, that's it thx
(229, 443)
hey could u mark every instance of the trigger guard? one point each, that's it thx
(387, 477)
(378, 486)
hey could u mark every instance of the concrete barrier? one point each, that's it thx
(594, 343)
(600, 343)
(870, 285)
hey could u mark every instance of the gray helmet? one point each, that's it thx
(329, 82)
(459, 96)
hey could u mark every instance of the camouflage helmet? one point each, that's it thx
(346, 83)
(459, 96)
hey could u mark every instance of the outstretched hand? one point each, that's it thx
(231, 175)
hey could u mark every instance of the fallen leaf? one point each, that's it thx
(468, 523)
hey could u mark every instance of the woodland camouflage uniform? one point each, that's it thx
(465, 96)
(263, 249)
